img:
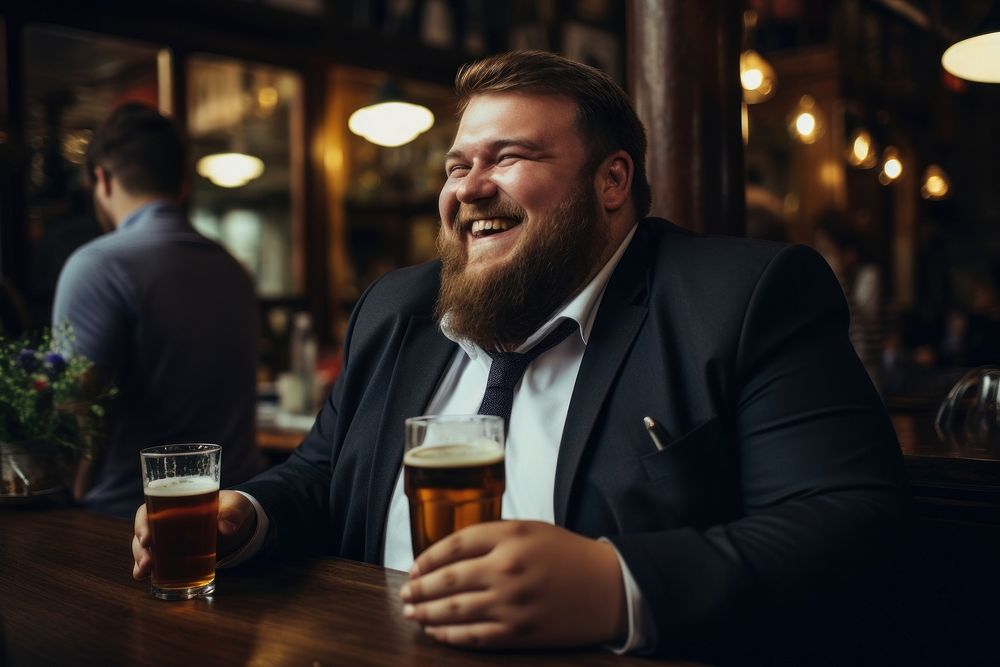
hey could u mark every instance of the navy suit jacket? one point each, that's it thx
(777, 502)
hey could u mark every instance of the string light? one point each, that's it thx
(861, 151)
(757, 76)
(892, 166)
(806, 123)
(936, 184)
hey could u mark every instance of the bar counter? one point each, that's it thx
(67, 598)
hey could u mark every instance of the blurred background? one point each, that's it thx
(856, 141)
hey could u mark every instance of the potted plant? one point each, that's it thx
(51, 414)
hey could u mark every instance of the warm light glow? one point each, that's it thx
(830, 174)
(975, 59)
(892, 166)
(230, 170)
(745, 122)
(391, 123)
(936, 184)
(752, 78)
(805, 124)
(267, 100)
(757, 76)
(862, 153)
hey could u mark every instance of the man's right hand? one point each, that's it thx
(237, 521)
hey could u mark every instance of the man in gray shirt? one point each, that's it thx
(166, 313)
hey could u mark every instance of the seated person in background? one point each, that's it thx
(168, 314)
(768, 523)
(840, 244)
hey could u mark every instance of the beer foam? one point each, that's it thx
(476, 453)
(192, 485)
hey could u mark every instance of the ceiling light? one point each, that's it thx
(936, 184)
(391, 121)
(230, 170)
(977, 58)
(757, 76)
(805, 122)
(861, 150)
(892, 166)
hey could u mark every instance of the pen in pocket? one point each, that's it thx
(656, 433)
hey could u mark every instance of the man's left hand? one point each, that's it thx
(518, 584)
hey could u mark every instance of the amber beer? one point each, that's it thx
(182, 514)
(452, 486)
(181, 483)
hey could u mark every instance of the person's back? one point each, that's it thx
(171, 317)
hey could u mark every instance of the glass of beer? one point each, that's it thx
(453, 474)
(181, 483)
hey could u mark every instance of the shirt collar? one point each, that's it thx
(145, 212)
(582, 308)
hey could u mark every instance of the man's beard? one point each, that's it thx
(500, 306)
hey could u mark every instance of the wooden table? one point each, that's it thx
(67, 598)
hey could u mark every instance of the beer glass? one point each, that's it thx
(453, 474)
(181, 483)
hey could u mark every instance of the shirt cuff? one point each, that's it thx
(250, 549)
(641, 629)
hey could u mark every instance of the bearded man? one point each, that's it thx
(778, 500)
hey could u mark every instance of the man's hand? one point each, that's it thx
(237, 521)
(518, 584)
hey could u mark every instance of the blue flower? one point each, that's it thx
(54, 364)
(28, 359)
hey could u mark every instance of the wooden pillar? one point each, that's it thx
(684, 76)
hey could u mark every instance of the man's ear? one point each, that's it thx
(614, 180)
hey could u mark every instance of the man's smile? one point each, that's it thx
(491, 227)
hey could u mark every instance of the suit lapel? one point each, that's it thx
(423, 358)
(621, 313)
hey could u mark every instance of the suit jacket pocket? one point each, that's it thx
(692, 479)
(688, 454)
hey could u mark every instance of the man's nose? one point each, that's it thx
(477, 184)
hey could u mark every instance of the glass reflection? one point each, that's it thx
(245, 125)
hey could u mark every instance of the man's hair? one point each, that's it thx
(141, 148)
(605, 116)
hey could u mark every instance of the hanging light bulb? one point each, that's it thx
(390, 121)
(977, 58)
(806, 123)
(892, 166)
(757, 76)
(230, 170)
(936, 184)
(861, 150)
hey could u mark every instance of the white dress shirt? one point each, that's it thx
(541, 402)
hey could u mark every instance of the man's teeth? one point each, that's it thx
(494, 225)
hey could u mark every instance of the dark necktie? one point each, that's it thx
(507, 369)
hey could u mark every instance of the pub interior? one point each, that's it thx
(830, 124)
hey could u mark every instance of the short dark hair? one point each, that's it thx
(605, 116)
(141, 148)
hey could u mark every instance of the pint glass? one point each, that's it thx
(181, 483)
(453, 474)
